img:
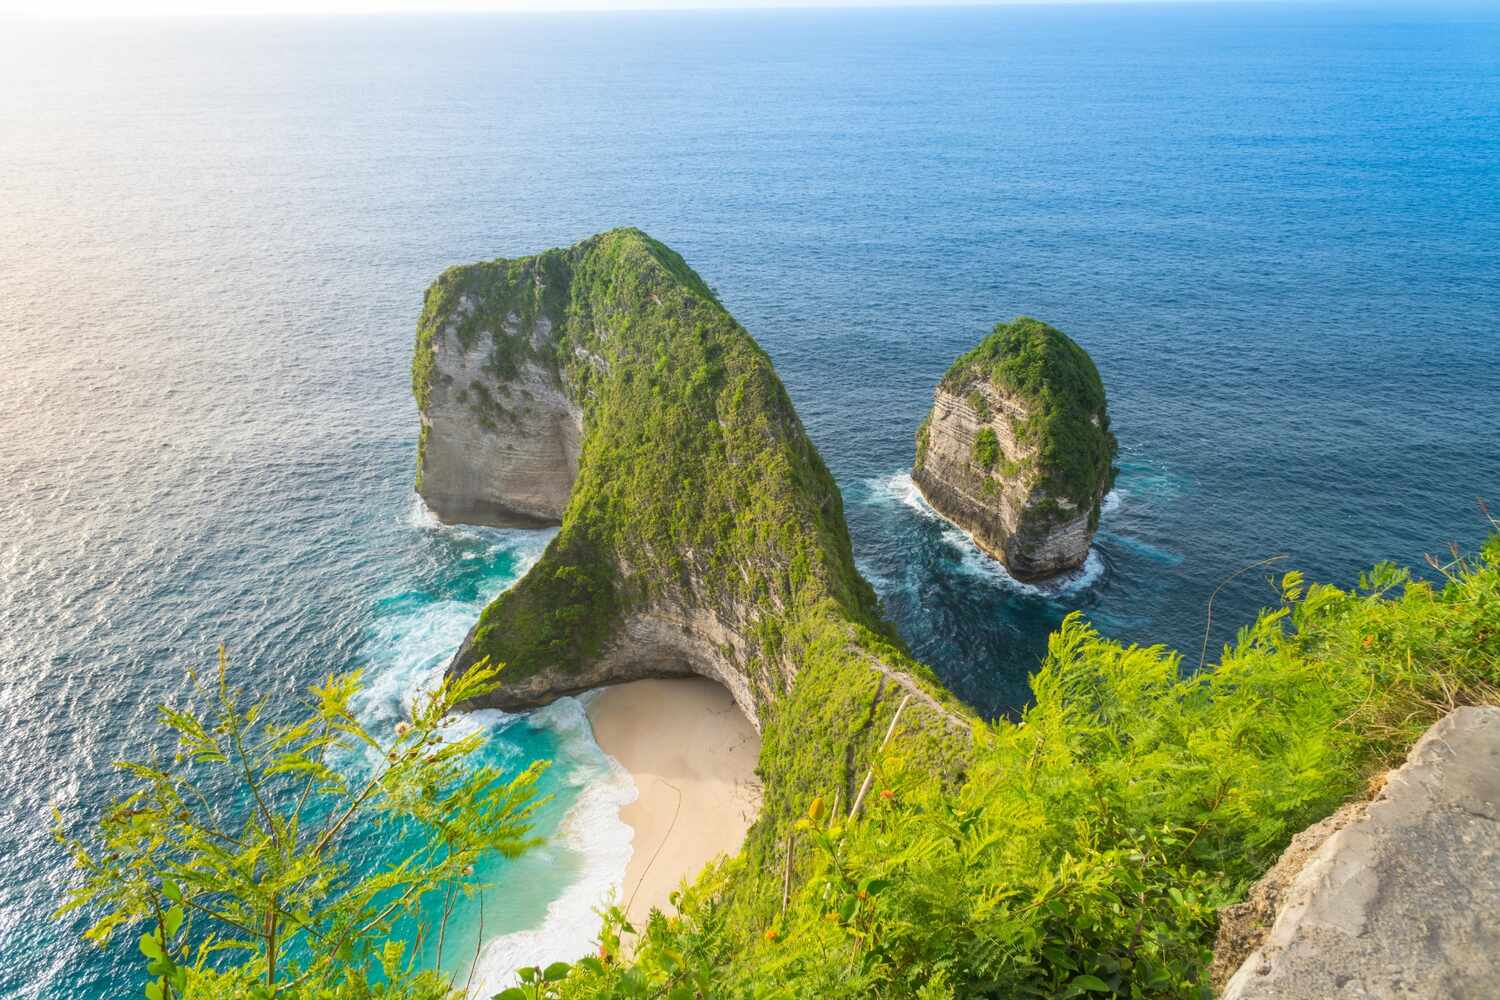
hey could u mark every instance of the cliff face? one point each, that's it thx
(700, 531)
(500, 435)
(1017, 449)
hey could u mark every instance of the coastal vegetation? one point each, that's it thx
(1089, 845)
(986, 448)
(232, 867)
(695, 465)
(905, 848)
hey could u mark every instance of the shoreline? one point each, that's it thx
(692, 756)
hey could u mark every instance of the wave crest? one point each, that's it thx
(974, 561)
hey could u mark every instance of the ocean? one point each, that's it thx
(1276, 228)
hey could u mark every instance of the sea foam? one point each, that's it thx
(407, 648)
(594, 832)
(974, 561)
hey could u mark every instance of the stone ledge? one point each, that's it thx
(1397, 897)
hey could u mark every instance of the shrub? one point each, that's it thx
(1089, 846)
(986, 448)
(233, 861)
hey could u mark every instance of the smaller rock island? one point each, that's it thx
(1017, 450)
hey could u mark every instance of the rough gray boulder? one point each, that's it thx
(1402, 897)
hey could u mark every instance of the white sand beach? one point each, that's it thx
(692, 755)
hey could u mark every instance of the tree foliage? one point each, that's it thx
(231, 860)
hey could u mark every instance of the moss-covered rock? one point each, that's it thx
(1017, 449)
(1084, 849)
(702, 533)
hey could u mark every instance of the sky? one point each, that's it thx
(152, 8)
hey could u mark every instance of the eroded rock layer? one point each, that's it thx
(1017, 449)
(500, 435)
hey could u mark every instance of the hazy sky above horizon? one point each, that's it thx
(149, 8)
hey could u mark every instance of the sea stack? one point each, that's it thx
(1017, 450)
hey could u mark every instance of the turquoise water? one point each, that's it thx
(1275, 228)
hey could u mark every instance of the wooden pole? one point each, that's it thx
(786, 877)
(870, 778)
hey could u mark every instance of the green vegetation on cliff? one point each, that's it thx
(1087, 848)
(695, 468)
(1069, 423)
(698, 490)
(904, 849)
(986, 448)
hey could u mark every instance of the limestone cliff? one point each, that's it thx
(1396, 897)
(499, 435)
(1017, 450)
(700, 531)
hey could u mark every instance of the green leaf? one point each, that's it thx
(514, 993)
(151, 946)
(555, 972)
(1093, 984)
(1059, 957)
(172, 921)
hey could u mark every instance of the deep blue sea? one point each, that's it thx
(1276, 228)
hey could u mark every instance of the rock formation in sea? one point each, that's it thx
(1017, 449)
(605, 388)
(1395, 897)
